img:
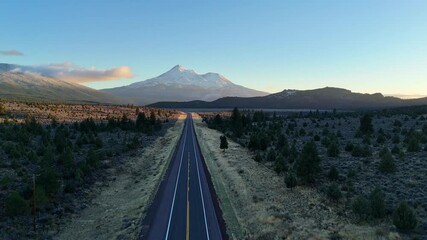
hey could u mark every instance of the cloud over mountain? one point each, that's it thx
(76, 74)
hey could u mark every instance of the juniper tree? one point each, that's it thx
(366, 126)
(404, 217)
(333, 174)
(377, 205)
(387, 164)
(308, 165)
(224, 143)
(361, 207)
(334, 193)
(290, 180)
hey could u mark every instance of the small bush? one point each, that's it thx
(349, 147)
(387, 164)
(98, 143)
(41, 198)
(404, 217)
(334, 193)
(361, 151)
(258, 157)
(413, 144)
(377, 204)
(333, 149)
(16, 205)
(333, 174)
(49, 181)
(361, 207)
(271, 155)
(316, 138)
(290, 181)
(280, 164)
(396, 150)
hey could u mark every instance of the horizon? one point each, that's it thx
(363, 46)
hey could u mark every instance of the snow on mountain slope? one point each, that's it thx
(180, 84)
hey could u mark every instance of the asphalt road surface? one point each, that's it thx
(184, 207)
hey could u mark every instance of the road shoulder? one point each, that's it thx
(116, 212)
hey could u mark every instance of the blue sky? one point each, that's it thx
(366, 46)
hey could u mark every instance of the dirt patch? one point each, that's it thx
(116, 210)
(257, 205)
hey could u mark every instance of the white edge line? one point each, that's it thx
(176, 186)
(200, 185)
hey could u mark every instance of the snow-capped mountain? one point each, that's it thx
(180, 84)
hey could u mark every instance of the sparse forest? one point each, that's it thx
(46, 167)
(369, 164)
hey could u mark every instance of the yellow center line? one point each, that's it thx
(188, 199)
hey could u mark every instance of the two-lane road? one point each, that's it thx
(184, 207)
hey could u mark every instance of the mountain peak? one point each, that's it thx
(179, 67)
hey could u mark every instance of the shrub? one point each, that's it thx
(395, 150)
(258, 157)
(413, 144)
(377, 205)
(333, 174)
(41, 198)
(98, 143)
(334, 193)
(333, 149)
(49, 180)
(361, 151)
(16, 205)
(271, 155)
(290, 181)
(93, 159)
(387, 164)
(361, 207)
(404, 217)
(224, 143)
(280, 164)
(396, 139)
(316, 138)
(349, 147)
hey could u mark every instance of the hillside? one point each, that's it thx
(34, 87)
(324, 98)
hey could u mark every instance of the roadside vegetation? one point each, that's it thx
(45, 167)
(370, 165)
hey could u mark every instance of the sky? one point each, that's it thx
(365, 46)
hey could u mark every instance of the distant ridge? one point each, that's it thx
(23, 86)
(180, 84)
(323, 98)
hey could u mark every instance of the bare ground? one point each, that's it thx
(257, 205)
(118, 207)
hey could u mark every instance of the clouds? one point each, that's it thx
(11, 53)
(76, 74)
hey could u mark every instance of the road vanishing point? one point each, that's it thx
(184, 207)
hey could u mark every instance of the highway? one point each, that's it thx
(184, 206)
